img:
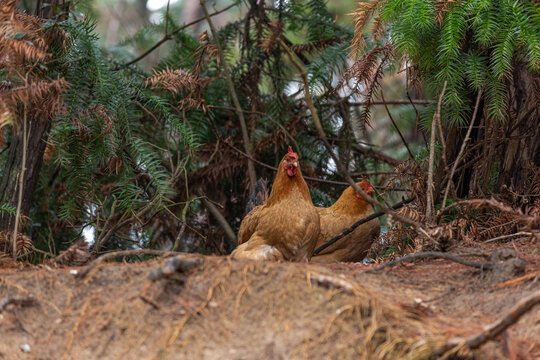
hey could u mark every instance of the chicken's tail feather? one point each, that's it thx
(260, 194)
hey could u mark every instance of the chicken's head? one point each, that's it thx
(366, 186)
(290, 163)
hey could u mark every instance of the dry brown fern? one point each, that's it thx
(25, 246)
(361, 16)
(269, 42)
(25, 44)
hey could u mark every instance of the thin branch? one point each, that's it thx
(179, 237)
(239, 112)
(324, 181)
(432, 254)
(461, 151)
(429, 196)
(397, 129)
(287, 133)
(233, 242)
(169, 36)
(357, 224)
(113, 254)
(391, 102)
(343, 172)
(417, 115)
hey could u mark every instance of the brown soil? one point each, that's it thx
(247, 310)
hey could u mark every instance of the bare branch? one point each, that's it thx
(233, 242)
(495, 329)
(429, 196)
(397, 129)
(239, 112)
(309, 178)
(462, 150)
(169, 36)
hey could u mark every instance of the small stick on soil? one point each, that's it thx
(495, 329)
(433, 254)
(502, 237)
(331, 282)
(86, 270)
(357, 224)
(150, 302)
(23, 301)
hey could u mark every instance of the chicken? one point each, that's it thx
(286, 226)
(349, 208)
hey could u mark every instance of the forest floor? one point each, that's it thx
(225, 309)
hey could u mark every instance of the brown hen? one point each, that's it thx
(286, 226)
(349, 208)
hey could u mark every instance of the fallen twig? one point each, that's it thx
(433, 254)
(495, 329)
(502, 237)
(331, 282)
(519, 280)
(19, 301)
(108, 256)
(357, 224)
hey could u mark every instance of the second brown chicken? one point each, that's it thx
(349, 208)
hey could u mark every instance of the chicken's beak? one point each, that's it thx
(295, 164)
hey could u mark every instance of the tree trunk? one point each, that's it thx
(37, 137)
(504, 150)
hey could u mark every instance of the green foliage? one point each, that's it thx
(99, 142)
(470, 45)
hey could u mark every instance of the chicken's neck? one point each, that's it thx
(288, 187)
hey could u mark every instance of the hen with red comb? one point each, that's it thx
(287, 225)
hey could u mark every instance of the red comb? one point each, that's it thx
(290, 151)
(366, 183)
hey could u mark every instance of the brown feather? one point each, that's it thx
(334, 220)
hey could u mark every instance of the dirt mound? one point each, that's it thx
(247, 310)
